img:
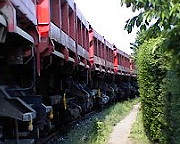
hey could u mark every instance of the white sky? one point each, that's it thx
(108, 18)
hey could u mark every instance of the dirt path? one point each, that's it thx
(122, 130)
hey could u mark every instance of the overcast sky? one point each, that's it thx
(108, 18)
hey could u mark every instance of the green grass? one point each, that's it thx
(137, 134)
(97, 129)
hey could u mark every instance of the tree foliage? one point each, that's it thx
(165, 13)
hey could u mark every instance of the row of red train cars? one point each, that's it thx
(58, 27)
(48, 49)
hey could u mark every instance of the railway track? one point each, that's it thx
(55, 135)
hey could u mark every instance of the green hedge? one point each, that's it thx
(152, 70)
(158, 66)
(174, 106)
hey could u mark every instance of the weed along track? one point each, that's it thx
(95, 128)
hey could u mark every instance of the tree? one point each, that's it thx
(165, 13)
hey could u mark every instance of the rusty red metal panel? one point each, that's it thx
(98, 48)
(79, 25)
(101, 50)
(95, 47)
(121, 60)
(43, 16)
(56, 12)
(72, 23)
(111, 55)
(119, 57)
(106, 54)
(91, 47)
(65, 17)
(126, 63)
(45, 46)
(81, 34)
(83, 37)
(87, 40)
(115, 57)
(105, 51)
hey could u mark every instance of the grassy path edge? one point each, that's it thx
(137, 134)
(97, 129)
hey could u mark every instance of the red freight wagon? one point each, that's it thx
(123, 62)
(69, 30)
(54, 68)
(100, 52)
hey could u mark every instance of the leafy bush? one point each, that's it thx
(174, 106)
(158, 62)
(152, 70)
